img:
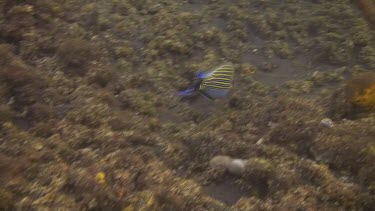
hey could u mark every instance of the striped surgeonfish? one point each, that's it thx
(212, 84)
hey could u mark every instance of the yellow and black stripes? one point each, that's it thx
(221, 78)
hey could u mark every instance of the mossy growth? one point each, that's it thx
(6, 200)
(118, 124)
(259, 172)
(335, 54)
(48, 9)
(18, 79)
(371, 150)
(13, 71)
(332, 190)
(319, 77)
(248, 69)
(41, 112)
(93, 114)
(260, 167)
(367, 55)
(6, 113)
(360, 91)
(101, 78)
(144, 104)
(43, 129)
(143, 201)
(368, 9)
(22, 9)
(75, 53)
(282, 49)
(299, 87)
(367, 98)
(124, 51)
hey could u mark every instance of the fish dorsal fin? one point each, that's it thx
(226, 67)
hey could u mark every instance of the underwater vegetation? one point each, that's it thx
(368, 8)
(355, 99)
(75, 52)
(13, 70)
(90, 120)
(361, 90)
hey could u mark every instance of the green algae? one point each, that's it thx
(121, 116)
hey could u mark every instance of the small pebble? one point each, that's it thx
(11, 101)
(272, 124)
(38, 146)
(327, 122)
(260, 141)
(86, 151)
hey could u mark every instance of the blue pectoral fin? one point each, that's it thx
(186, 93)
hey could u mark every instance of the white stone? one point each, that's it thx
(220, 162)
(237, 167)
(327, 122)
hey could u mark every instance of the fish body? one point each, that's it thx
(213, 84)
(218, 82)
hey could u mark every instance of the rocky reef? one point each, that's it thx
(90, 120)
